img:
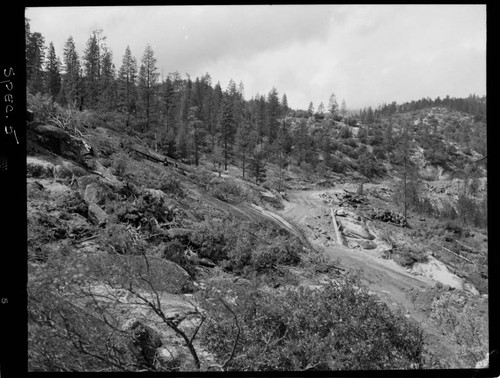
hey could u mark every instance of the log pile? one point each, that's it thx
(389, 217)
(341, 198)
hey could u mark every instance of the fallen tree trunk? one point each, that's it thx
(149, 154)
(338, 234)
(159, 158)
(456, 254)
(467, 247)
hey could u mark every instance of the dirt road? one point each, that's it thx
(392, 283)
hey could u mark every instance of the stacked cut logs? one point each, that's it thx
(389, 217)
(340, 199)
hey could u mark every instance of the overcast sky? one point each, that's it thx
(365, 54)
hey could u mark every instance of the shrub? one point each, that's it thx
(351, 142)
(171, 185)
(42, 106)
(117, 239)
(379, 152)
(461, 326)
(213, 240)
(119, 163)
(339, 327)
(406, 256)
(336, 164)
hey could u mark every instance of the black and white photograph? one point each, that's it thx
(256, 188)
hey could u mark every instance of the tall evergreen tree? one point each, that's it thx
(321, 108)
(107, 85)
(273, 115)
(257, 166)
(343, 109)
(53, 81)
(406, 191)
(244, 140)
(284, 104)
(127, 81)
(148, 77)
(216, 102)
(71, 84)
(227, 128)
(302, 142)
(92, 74)
(35, 57)
(310, 109)
(333, 106)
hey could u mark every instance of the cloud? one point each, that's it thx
(365, 54)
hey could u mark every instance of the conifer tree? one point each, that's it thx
(257, 164)
(53, 81)
(244, 143)
(333, 106)
(407, 186)
(343, 109)
(35, 57)
(107, 84)
(91, 64)
(227, 128)
(310, 109)
(71, 84)
(148, 77)
(273, 115)
(127, 80)
(321, 109)
(284, 104)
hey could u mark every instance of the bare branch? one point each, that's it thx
(224, 365)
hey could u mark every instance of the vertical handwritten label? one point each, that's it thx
(8, 98)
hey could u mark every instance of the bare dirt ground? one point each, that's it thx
(397, 287)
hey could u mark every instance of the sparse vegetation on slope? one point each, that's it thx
(165, 232)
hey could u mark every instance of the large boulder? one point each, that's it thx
(62, 172)
(77, 225)
(367, 244)
(96, 193)
(60, 142)
(174, 251)
(39, 168)
(97, 215)
(355, 228)
(67, 170)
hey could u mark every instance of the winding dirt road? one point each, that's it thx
(391, 282)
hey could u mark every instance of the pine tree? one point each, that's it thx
(257, 164)
(333, 106)
(91, 64)
(284, 104)
(407, 187)
(244, 143)
(107, 85)
(273, 115)
(260, 118)
(310, 109)
(148, 77)
(71, 84)
(53, 81)
(227, 128)
(127, 80)
(343, 109)
(35, 57)
(195, 133)
(302, 143)
(321, 109)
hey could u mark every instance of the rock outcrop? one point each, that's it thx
(97, 215)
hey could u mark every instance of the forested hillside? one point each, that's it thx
(178, 225)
